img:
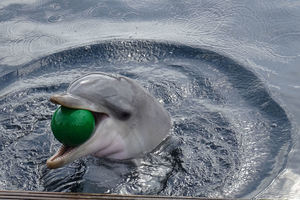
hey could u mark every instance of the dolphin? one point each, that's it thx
(129, 122)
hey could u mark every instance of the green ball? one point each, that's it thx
(72, 127)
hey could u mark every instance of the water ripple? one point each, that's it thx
(229, 137)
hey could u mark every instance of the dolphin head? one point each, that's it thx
(129, 121)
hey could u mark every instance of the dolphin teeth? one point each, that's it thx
(64, 150)
(59, 156)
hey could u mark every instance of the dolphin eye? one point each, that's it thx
(124, 115)
(119, 112)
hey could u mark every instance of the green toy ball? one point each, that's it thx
(72, 127)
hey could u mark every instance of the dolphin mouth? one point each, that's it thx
(66, 154)
(59, 158)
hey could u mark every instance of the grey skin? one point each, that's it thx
(129, 121)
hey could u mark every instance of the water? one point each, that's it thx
(225, 71)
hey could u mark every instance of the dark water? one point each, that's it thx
(226, 72)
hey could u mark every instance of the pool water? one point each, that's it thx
(233, 105)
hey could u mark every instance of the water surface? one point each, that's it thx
(225, 71)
